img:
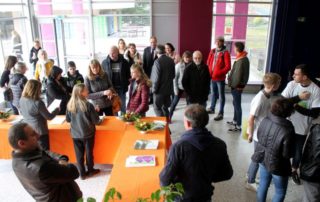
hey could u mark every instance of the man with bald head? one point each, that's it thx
(118, 71)
(196, 81)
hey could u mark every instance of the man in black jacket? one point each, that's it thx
(198, 159)
(45, 176)
(118, 70)
(196, 80)
(163, 73)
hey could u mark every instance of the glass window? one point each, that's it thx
(61, 7)
(248, 22)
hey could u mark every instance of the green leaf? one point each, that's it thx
(119, 196)
(80, 200)
(90, 199)
(112, 192)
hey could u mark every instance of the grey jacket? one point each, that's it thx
(239, 74)
(83, 123)
(96, 88)
(36, 114)
(177, 83)
(162, 75)
(17, 83)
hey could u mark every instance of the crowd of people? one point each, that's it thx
(279, 130)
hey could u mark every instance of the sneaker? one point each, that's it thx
(251, 186)
(295, 178)
(235, 129)
(219, 117)
(231, 123)
(93, 172)
(210, 111)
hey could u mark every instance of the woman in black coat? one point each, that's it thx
(57, 89)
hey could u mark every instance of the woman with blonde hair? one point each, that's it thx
(82, 117)
(43, 68)
(99, 85)
(138, 91)
(34, 111)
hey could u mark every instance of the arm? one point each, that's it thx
(68, 116)
(185, 80)
(250, 127)
(210, 58)
(45, 113)
(176, 79)
(170, 171)
(54, 92)
(288, 144)
(314, 112)
(227, 62)
(155, 74)
(4, 78)
(224, 170)
(31, 60)
(93, 95)
(208, 80)
(144, 99)
(37, 72)
(94, 115)
(54, 173)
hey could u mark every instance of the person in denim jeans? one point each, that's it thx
(274, 150)
(219, 63)
(237, 80)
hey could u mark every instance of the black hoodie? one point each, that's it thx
(73, 80)
(197, 160)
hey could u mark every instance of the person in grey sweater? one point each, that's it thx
(177, 82)
(162, 75)
(237, 80)
(83, 118)
(35, 113)
(99, 85)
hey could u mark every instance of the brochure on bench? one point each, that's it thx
(146, 144)
(141, 161)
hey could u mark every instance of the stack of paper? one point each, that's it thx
(159, 125)
(141, 161)
(146, 144)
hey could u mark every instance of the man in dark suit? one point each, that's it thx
(162, 75)
(149, 56)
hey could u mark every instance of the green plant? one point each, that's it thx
(89, 199)
(4, 115)
(111, 193)
(143, 126)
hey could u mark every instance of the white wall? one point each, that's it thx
(165, 21)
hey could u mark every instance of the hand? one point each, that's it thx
(249, 138)
(239, 89)
(63, 162)
(97, 108)
(304, 95)
(107, 93)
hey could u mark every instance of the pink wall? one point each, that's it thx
(220, 20)
(195, 26)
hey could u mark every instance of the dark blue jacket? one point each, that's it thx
(197, 160)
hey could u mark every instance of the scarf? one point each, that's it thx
(241, 55)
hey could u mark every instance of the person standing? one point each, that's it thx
(170, 52)
(43, 68)
(219, 63)
(237, 81)
(73, 76)
(177, 83)
(163, 73)
(83, 117)
(35, 113)
(132, 55)
(17, 84)
(196, 81)
(33, 56)
(301, 122)
(99, 85)
(274, 150)
(198, 159)
(122, 46)
(138, 91)
(149, 56)
(118, 71)
(45, 175)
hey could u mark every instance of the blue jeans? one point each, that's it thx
(122, 96)
(217, 91)
(174, 102)
(253, 168)
(280, 184)
(299, 141)
(237, 116)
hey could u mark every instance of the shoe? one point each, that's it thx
(231, 123)
(210, 111)
(251, 186)
(93, 172)
(219, 117)
(295, 178)
(235, 129)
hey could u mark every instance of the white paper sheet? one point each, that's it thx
(57, 120)
(55, 104)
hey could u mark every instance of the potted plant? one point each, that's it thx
(129, 117)
(143, 126)
(4, 115)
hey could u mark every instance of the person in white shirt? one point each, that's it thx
(301, 123)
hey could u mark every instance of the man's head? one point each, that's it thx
(195, 116)
(114, 53)
(197, 57)
(72, 68)
(239, 47)
(301, 73)
(23, 138)
(272, 81)
(219, 42)
(153, 42)
(160, 50)
(282, 107)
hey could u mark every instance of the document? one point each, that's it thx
(55, 104)
(141, 161)
(146, 144)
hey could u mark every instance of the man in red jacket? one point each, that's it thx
(219, 63)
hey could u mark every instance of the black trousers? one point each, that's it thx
(84, 147)
(44, 142)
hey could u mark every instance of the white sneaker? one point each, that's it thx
(251, 186)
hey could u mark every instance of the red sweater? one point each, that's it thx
(222, 65)
(139, 98)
